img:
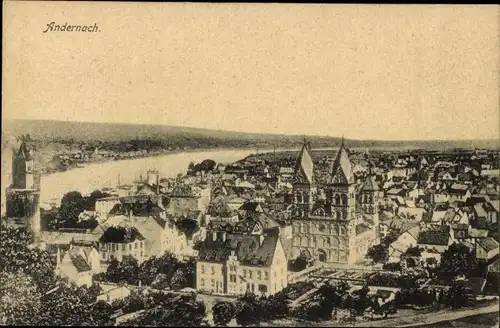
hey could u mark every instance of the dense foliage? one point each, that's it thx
(159, 272)
(33, 294)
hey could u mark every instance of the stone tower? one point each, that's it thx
(368, 197)
(23, 195)
(341, 201)
(323, 212)
(303, 183)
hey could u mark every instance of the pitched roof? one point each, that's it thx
(247, 248)
(488, 243)
(434, 237)
(304, 166)
(342, 165)
(121, 235)
(80, 263)
(370, 184)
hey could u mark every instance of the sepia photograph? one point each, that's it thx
(250, 165)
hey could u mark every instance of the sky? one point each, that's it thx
(386, 72)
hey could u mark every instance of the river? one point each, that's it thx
(100, 175)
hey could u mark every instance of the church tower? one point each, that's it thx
(23, 195)
(303, 183)
(341, 201)
(368, 197)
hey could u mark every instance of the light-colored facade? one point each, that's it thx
(324, 217)
(234, 277)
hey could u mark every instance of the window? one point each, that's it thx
(123, 247)
(213, 270)
(202, 269)
(202, 281)
(282, 271)
(130, 247)
(263, 288)
(213, 283)
(250, 274)
(274, 274)
(266, 276)
(244, 273)
(232, 278)
(259, 275)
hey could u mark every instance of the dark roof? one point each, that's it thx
(433, 237)
(80, 264)
(488, 243)
(249, 206)
(137, 208)
(247, 248)
(121, 235)
(182, 190)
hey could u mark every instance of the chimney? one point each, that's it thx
(223, 236)
(140, 283)
(214, 235)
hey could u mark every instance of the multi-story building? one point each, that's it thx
(247, 259)
(327, 223)
(117, 242)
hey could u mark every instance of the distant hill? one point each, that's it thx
(67, 131)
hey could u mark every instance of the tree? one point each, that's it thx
(378, 253)
(90, 201)
(179, 311)
(413, 251)
(126, 271)
(72, 204)
(223, 312)
(179, 280)
(20, 299)
(458, 295)
(17, 255)
(457, 260)
(300, 262)
(247, 310)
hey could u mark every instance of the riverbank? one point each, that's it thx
(46, 170)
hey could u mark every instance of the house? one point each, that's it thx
(486, 248)
(185, 198)
(235, 203)
(436, 238)
(88, 250)
(74, 267)
(117, 242)
(459, 192)
(236, 263)
(402, 243)
(104, 205)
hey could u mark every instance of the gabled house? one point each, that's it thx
(436, 239)
(236, 263)
(118, 241)
(74, 267)
(486, 248)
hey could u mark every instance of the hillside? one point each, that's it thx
(110, 133)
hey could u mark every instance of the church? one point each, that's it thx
(330, 221)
